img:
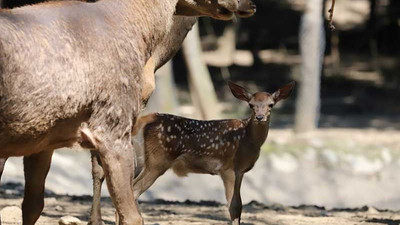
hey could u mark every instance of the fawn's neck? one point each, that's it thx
(257, 132)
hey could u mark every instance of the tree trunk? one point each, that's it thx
(312, 47)
(164, 98)
(200, 83)
(223, 56)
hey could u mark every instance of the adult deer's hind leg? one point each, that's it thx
(118, 163)
(155, 165)
(145, 179)
(232, 182)
(36, 168)
(98, 178)
(2, 164)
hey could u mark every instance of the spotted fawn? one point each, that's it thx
(228, 148)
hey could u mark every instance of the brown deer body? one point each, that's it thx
(71, 73)
(228, 148)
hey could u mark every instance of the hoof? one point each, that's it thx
(97, 222)
(236, 222)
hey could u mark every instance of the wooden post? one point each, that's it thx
(200, 83)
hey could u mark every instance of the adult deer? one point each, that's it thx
(229, 148)
(71, 73)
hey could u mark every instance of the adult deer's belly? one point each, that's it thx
(64, 133)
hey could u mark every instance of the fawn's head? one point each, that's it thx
(217, 9)
(261, 103)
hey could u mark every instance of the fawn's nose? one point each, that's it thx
(259, 118)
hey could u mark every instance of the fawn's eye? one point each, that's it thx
(251, 105)
(271, 105)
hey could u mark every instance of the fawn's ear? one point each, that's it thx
(283, 92)
(239, 92)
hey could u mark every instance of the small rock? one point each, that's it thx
(11, 192)
(11, 215)
(59, 208)
(69, 220)
(371, 210)
(50, 201)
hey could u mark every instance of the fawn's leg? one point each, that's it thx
(2, 164)
(36, 168)
(146, 178)
(232, 182)
(228, 177)
(98, 178)
(118, 163)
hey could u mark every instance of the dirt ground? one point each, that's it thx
(182, 213)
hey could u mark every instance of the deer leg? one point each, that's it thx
(98, 178)
(118, 163)
(2, 164)
(36, 168)
(228, 177)
(232, 182)
(145, 179)
(235, 208)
